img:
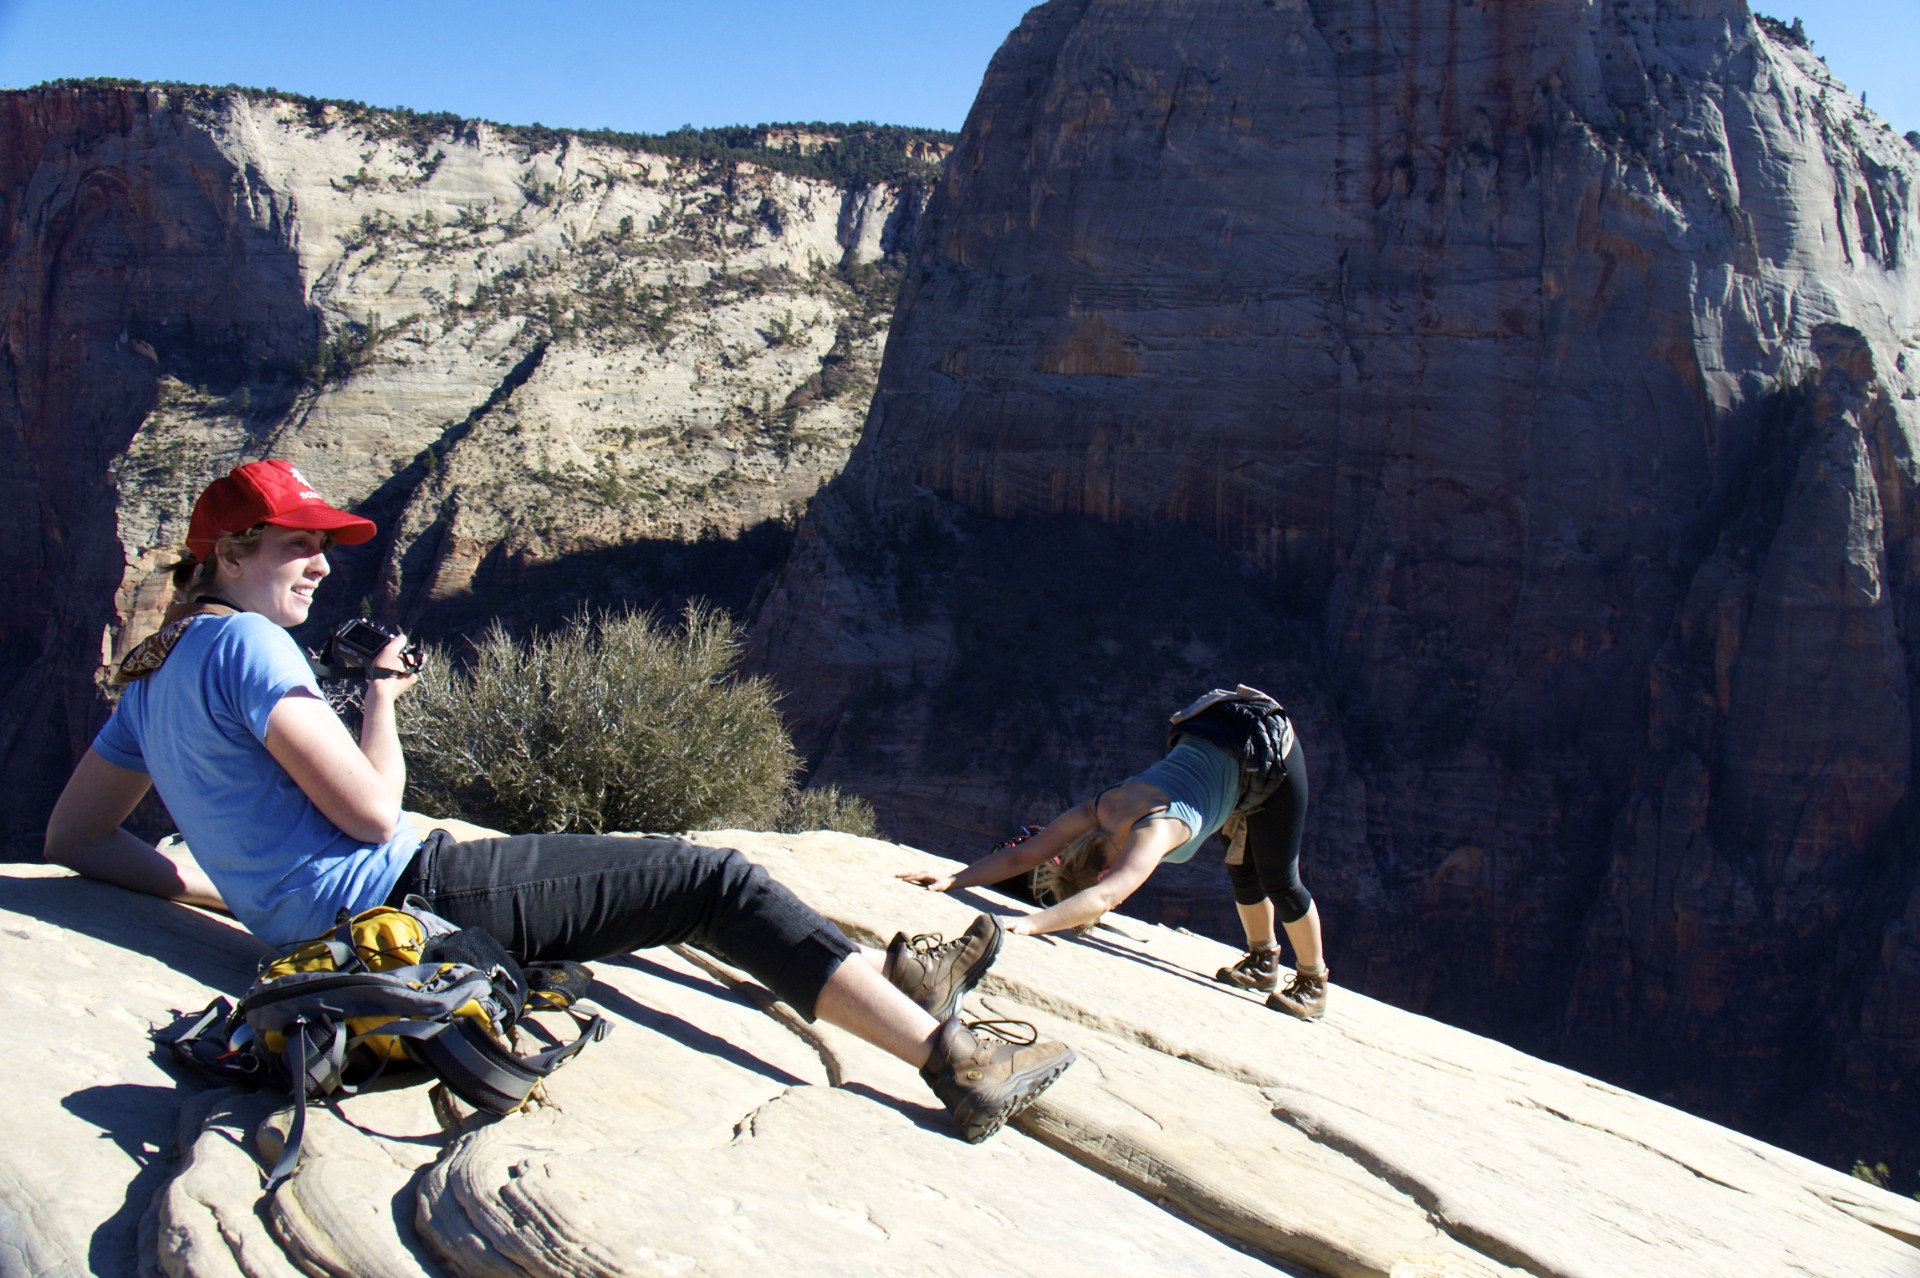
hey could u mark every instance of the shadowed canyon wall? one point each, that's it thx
(559, 372)
(128, 240)
(1524, 393)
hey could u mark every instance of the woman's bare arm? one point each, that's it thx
(84, 834)
(1004, 863)
(356, 785)
(1137, 857)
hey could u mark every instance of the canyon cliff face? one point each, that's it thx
(1525, 395)
(556, 371)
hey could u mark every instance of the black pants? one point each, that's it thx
(1270, 870)
(587, 896)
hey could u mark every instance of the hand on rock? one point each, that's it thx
(928, 880)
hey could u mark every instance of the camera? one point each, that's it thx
(353, 645)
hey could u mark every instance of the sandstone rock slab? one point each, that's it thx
(715, 1132)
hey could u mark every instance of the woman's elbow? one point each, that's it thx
(370, 823)
(60, 848)
(70, 843)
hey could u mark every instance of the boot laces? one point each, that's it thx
(1019, 1033)
(930, 947)
(1258, 961)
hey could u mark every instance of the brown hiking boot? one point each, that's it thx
(983, 1083)
(937, 975)
(1256, 970)
(1304, 997)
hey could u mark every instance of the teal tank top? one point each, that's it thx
(1202, 785)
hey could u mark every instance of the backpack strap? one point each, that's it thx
(419, 992)
(206, 1045)
(478, 1069)
(315, 1055)
(346, 955)
(1251, 727)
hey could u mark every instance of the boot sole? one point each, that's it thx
(970, 977)
(1280, 1005)
(1008, 1099)
(1225, 977)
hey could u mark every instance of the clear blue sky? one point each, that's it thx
(636, 65)
(646, 66)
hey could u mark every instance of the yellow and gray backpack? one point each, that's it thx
(387, 987)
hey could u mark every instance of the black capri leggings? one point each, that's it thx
(1270, 871)
(586, 896)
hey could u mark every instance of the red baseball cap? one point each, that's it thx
(267, 492)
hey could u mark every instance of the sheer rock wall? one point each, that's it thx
(1525, 394)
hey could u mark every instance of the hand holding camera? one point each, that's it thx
(354, 648)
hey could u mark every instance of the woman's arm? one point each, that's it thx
(1004, 863)
(357, 786)
(1136, 859)
(84, 834)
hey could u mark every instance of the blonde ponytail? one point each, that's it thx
(194, 578)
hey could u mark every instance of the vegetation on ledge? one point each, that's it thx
(611, 723)
(858, 154)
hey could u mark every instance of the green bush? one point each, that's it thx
(610, 724)
(1874, 1174)
(827, 808)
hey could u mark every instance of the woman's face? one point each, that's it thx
(278, 579)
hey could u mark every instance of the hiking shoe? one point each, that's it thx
(1304, 997)
(984, 1083)
(936, 974)
(1256, 970)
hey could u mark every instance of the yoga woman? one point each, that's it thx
(1101, 851)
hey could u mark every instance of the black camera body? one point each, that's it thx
(353, 645)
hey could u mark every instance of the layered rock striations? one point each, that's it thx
(1525, 394)
(550, 367)
(714, 1132)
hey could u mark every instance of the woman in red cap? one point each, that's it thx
(291, 820)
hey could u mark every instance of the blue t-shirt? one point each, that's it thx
(1202, 784)
(198, 727)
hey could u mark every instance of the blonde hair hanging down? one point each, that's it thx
(1073, 871)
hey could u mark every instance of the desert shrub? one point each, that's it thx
(860, 154)
(1874, 1174)
(827, 808)
(616, 723)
